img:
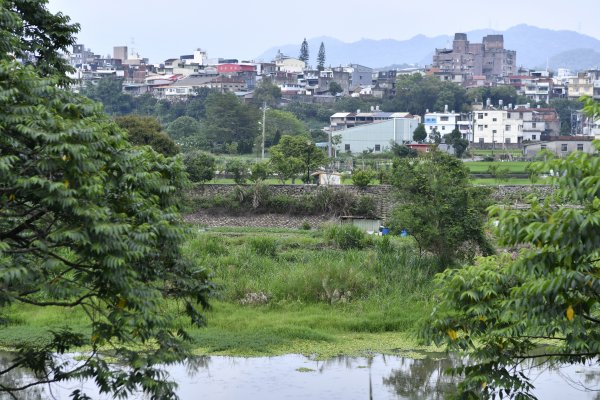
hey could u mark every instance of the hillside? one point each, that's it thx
(536, 47)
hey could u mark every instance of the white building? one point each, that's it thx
(378, 136)
(445, 123)
(497, 126)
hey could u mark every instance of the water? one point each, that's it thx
(298, 377)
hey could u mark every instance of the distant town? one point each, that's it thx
(486, 124)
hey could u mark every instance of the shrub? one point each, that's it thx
(305, 226)
(362, 178)
(238, 170)
(200, 166)
(365, 206)
(346, 236)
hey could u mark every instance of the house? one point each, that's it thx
(561, 146)
(285, 63)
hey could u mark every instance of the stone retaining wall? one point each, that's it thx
(384, 199)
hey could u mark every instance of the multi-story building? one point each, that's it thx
(492, 126)
(444, 123)
(466, 60)
(580, 85)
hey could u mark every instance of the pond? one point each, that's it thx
(299, 377)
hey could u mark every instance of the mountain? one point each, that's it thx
(536, 47)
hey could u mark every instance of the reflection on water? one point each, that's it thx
(299, 377)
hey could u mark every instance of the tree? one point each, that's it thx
(89, 224)
(228, 121)
(200, 166)
(564, 108)
(259, 172)
(439, 207)
(321, 57)
(420, 134)
(147, 131)
(266, 93)
(402, 151)
(457, 142)
(335, 88)
(279, 123)
(109, 91)
(417, 94)
(304, 51)
(187, 132)
(295, 155)
(539, 305)
(238, 169)
(35, 36)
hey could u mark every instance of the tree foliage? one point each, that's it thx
(417, 94)
(35, 36)
(200, 166)
(266, 93)
(321, 57)
(457, 142)
(335, 88)
(228, 121)
(420, 134)
(295, 155)
(147, 131)
(361, 178)
(88, 222)
(304, 51)
(542, 304)
(439, 207)
(109, 91)
(188, 133)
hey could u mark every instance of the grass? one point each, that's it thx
(481, 167)
(319, 299)
(508, 181)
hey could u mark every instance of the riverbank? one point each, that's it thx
(287, 291)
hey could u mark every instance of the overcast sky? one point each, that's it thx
(244, 29)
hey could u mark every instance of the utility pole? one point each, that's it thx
(263, 129)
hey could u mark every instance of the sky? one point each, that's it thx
(159, 30)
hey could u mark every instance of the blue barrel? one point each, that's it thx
(385, 231)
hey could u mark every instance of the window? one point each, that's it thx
(533, 124)
(507, 140)
(494, 119)
(494, 131)
(480, 116)
(480, 127)
(507, 128)
(480, 140)
(444, 118)
(377, 147)
(347, 147)
(564, 147)
(508, 115)
(485, 126)
(579, 146)
(443, 128)
(533, 137)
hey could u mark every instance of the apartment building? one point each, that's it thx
(465, 60)
(497, 127)
(445, 122)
